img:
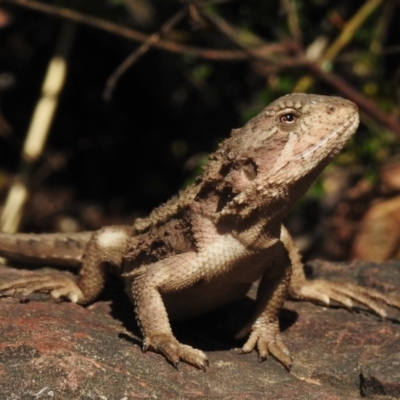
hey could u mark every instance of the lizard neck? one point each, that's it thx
(257, 221)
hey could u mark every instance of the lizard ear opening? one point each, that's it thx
(250, 170)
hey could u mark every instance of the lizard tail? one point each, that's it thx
(46, 249)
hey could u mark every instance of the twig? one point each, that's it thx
(352, 55)
(351, 93)
(250, 43)
(341, 41)
(140, 51)
(333, 80)
(39, 129)
(351, 28)
(293, 19)
(131, 34)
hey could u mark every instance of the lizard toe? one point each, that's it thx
(69, 290)
(58, 286)
(346, 294)
(266, 338)
(193, 356)
(175, 352)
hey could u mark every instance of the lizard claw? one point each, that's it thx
(174, 351)
(346, 294)
(144, 347)
(265, 336)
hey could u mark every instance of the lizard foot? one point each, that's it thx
(58, 286)
(265, 336)
(174, 351)
(346, 294)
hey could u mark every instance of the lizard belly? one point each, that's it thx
(199, 300)
(232, 270)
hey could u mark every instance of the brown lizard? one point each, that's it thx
(205, 248)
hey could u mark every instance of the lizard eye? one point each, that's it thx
(289, 118)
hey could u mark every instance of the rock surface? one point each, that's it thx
(65, 351)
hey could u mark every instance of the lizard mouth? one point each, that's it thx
(345, 131)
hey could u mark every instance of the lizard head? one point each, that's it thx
(281, 151)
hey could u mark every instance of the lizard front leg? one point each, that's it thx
(107, 246)
(147, 287)
(264, 326)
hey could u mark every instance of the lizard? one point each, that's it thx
(205, 247)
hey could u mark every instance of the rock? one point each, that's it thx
(378, 236)
(65, 351)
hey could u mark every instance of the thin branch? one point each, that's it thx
(354, 54)
(293, 19)
(131, 34)
(351, 28)
(333, 80)
(39, 129)
(250, 43)
(342, 40)
(140, 51)
(351, 93)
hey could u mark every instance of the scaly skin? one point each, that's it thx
(204, 248)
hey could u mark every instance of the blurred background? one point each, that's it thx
(152, 86)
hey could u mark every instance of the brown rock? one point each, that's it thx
(65, 351)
